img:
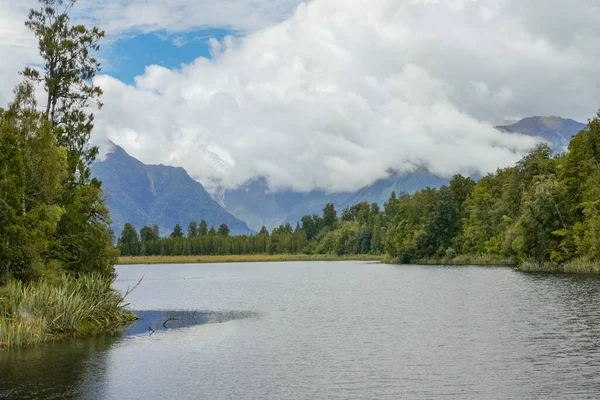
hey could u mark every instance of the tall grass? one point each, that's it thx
(464, 260)
(244, 258)
(580, 266)
(46, 310)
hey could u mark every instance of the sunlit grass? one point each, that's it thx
(46, 310)
(243, 258)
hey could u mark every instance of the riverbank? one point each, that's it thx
(61, 308)
(461, 260)
(131, 260)
(578, 266)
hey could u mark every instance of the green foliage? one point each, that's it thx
(33, 170)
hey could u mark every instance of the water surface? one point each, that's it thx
(332, 330)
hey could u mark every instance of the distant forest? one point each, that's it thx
(546, 208)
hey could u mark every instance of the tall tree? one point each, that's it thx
(82, 239)
(69, 68)
(202, 228)
(192, 229)
(129, 242)
(329, 215)
(223, 230)
(177, 232)
(148, 234)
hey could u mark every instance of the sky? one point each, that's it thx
(328, 94)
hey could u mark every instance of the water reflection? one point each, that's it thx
(332, 330)
(52, 371)
(74, 369)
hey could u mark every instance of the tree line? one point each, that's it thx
(546, 208)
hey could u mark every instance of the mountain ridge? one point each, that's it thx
(556, 131)
(157, 194)
(256, 205)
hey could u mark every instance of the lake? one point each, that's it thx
(332, 330)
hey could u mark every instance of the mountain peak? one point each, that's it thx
(556, 131)
(157, 194)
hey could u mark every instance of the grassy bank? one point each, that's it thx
(578, 266)
(66, 307)
(463, 260)
(243, 258)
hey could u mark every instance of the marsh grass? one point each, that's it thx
(244, 258)
(47, 310)
(468, 259)
(580, 266)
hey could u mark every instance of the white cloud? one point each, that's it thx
(344, 90)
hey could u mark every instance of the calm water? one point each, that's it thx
(333, 330)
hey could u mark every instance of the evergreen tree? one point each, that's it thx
(329, 216)
(202, 228)
(223, 230)
(148, 234)
(177, 232)
(129, 242)
(192, 229)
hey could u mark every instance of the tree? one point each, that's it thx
(177, 232)
(129, 242)
(202, 229)
(223, 230)
(263, 231)
(329, 215)
(82, 240)
(148, 234)
(32, 172)
(212, 231)
(309, 226)
(192, 229)
(69, 68)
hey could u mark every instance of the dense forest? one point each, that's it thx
(545, 209)
(56, 257)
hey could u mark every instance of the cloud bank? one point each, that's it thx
(344, 90)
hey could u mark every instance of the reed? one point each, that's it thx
(467, 260)
(130, 260)
(47, 310)
(578, 266)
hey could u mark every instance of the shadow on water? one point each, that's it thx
(62, 370)
(156, 321)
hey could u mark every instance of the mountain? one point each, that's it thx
(556, 131)
(411, 182)
(146, 194)
(157, 194)
(254, 203)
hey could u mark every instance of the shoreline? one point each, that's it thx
(247, 258)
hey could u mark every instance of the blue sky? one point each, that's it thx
(128, 58)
